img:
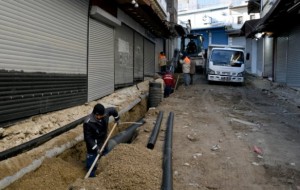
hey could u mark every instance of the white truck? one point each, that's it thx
(225, 64)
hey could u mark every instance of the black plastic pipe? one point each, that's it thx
(124, 136)
(167, 183)
(39, 140)
(155, 131)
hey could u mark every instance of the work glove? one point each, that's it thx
(117, 120)
(103, 153)
(98, 151)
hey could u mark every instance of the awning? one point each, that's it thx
(148, 16)
(101, 15)
(181, 31)
(236, 32)
(277, 20)
(279, 17)
(249, 27)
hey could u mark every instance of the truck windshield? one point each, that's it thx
(230, 58)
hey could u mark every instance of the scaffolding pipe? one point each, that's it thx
(155, 131)
(167, 183)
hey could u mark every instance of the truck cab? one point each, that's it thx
(191, 45)
(226, 65)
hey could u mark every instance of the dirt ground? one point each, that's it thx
(225, 137)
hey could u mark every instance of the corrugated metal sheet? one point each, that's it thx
(248, 50)
(219, 36)
(43, 52)
(259, 63)
(43, 36)
(239, 41)
(293, 65)
(101, 60)
(123, 56)
(254, 56)
(281, 59)
(149, 62)
(138, 57)
(268, 57)
(26, 94)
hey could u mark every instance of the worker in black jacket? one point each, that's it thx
(95, 129)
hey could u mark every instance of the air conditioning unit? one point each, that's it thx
(206, 19)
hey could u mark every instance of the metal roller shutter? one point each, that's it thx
(149, 62)
(101, 60)
(280, 60)
(43, 55)
(138, 57)
(268, 57)
(260, 58)
(219, 36)
(43, 36)
(123, 56)
(239, 41)
(293, 65)
(248, 50)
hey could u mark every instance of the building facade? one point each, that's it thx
(218, 21)
(274, 39)
(62, 53)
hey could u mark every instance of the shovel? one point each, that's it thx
(101, 150)
(176, 82)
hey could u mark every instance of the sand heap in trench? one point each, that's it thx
(126, 167)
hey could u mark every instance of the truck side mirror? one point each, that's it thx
(247, 56)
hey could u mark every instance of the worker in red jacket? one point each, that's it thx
(169, 81)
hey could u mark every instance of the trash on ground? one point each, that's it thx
(259, 156)
(255, 164)
(257, 150)
(215, 147)
(197, 155)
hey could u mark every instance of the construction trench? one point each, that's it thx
(140, 148)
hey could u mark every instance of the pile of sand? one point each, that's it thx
(126, 167)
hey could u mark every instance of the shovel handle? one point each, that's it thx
(101, 150)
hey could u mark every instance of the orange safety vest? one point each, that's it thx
(187, 60)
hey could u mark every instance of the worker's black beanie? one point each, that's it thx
(99, 109)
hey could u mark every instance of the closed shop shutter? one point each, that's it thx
(149, 56)
(254, 56)
(259, 62)
(239, 41)
(268, 57)
(123, 56)
(101, 60)
(248, 50)
(219, 36)
(138, 57)
(44, 36)
(43, 55)
(281, 59)
(293, 65)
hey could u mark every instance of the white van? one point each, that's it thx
(226, 65)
